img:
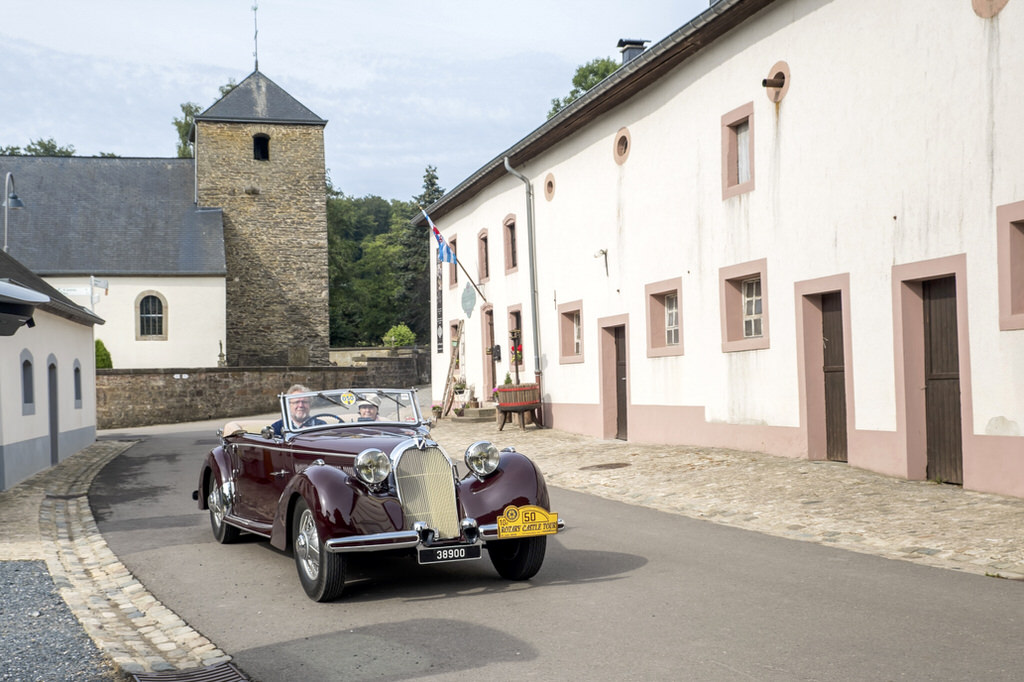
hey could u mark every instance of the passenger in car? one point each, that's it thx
(369, 406)
(298, 408)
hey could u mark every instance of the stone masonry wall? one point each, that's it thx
(138, 397)
(275, 239)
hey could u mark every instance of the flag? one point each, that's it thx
(444, 251)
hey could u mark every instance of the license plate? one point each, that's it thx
(438, 555)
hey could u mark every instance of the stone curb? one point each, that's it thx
(130, 626)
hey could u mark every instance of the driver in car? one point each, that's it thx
(298, 408)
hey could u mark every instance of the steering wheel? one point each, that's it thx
(327, 415)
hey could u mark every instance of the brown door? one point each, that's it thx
(620, 382)
(490, 368)
(942, 382)
(835, 378)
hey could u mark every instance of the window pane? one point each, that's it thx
(751, 308)
(671, 319)
(576, 332)
(512, 245)
(27, 392)
(151, 316)
(742, 131)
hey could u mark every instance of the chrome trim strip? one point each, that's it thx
(248, 526)
(398, 539)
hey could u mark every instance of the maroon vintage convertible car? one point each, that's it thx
(355, 470)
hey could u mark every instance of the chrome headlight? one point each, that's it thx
(372, 466)
(482, 458)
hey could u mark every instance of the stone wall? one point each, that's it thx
(275, 239)
(138, 397)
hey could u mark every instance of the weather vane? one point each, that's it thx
(255, 37)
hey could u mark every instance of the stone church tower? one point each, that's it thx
(259, 157)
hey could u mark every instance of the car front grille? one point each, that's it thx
(426, 487)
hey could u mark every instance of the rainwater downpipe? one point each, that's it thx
(533, 269)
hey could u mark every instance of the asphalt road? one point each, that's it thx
(626, 593)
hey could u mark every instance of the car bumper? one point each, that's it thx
(420, 536)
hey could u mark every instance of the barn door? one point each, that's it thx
(942, 382)
(834, 368)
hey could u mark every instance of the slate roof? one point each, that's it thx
(59, 304)
(111, 216)
(257, 98)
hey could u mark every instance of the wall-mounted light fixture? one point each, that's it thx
(603, 252)
(11, 200)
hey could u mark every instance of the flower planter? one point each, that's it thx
(513, 395)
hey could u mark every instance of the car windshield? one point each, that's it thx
(349, 405)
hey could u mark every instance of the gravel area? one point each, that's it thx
(40, 640)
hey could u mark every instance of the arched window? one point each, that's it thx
(27, 390)
(28, 393)
(150, 317)
(261, 147)
(78, 385)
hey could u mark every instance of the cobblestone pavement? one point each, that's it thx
(826, 502)
(48, 517)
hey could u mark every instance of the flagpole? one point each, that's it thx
(470, 279)
(457, 261)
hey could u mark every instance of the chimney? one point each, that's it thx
(631, 48)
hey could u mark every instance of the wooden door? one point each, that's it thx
(834, 369)
(490, 366)
(620, 383)
(942, 382)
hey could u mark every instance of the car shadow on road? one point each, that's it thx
(392, 651)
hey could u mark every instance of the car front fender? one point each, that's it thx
(517, 481)
(216, 470)
(341, 506)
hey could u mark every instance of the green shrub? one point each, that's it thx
(103, 360)
(399, 335)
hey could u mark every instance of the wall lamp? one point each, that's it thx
(11, 201)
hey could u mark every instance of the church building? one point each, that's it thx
(216, 260)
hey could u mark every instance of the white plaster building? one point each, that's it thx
(791, 226)
(47, 375)
(133, 224)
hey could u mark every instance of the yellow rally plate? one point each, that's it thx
(521, 522)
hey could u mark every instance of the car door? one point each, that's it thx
(265, 469)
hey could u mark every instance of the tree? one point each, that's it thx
(40, 147)
(188, 114)
(414, 261)
(183, 125)
(431, 190)
(586, 77)
(378, 264)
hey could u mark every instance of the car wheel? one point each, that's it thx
(518, 559)
(223, 532)
(321, 573)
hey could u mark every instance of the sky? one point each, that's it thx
(402, 84)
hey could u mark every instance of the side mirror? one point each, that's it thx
(267, 432)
